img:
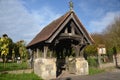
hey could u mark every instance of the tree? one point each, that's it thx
(112, 34)
(6, 46)
(98, 38)
(92, 49)
(10, 50)
(22, 49)
(0, 45)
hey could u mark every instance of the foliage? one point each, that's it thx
(110, 37)
(5, 47)
(93, 71)
(24, 76)
(112, 34)
(98, 38)
(5, 44)
(110, 54)
(22, 49)
(10, 50)
(92, 61)
(91, 50)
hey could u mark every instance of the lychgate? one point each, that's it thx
(59, 47)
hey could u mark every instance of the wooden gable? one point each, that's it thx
(68, 23)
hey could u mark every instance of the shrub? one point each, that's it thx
(92, 61)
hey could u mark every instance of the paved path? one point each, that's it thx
(110, 75)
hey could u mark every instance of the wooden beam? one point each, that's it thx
(37, 53)
(77, 49)
(66, 30)
(45, 51)
(60, 28)
(69, 36)
(34, 54)
(72, 27)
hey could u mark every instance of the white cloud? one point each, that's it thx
(14, 19)
(44, 16)
(100, 24)
(19, 23)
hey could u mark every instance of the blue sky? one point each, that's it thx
(23, 19)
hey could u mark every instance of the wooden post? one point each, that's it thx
(45, 51)
(34, 54)
(66, 30)
(77, 50)
(99, 60)
(72, 28)
(81, 53)
(51, 54)
(37, 53)
(32, 59)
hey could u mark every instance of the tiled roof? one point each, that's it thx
(47, 32)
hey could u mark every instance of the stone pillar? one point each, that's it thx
(82, 66)
(45, 68)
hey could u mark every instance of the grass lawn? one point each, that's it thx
(24, 76)
(93, 71)
(16, 66)
(13, 66)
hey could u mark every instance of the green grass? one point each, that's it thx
(13, 66)
(24, 76)
(93, 71)
(16, 66)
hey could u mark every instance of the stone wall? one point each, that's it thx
(82, 66)
(45, 68)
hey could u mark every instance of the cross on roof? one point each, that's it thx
(71, 5)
